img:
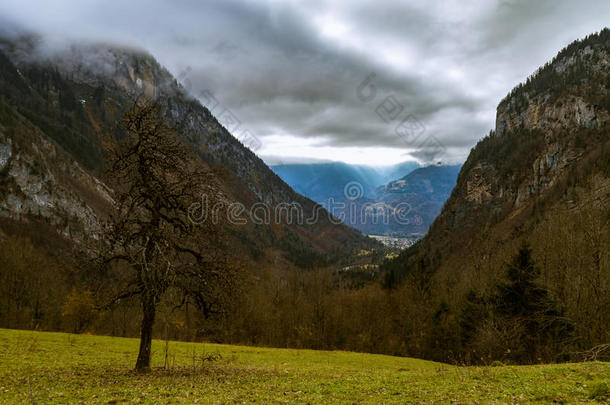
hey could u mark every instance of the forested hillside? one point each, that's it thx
(528, 222)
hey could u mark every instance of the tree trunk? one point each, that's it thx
(148, 320)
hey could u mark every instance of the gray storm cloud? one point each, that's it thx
(293, 69)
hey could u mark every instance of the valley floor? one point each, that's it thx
(59, 368)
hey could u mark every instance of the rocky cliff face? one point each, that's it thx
(39, 179)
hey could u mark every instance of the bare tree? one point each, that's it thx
(149, 236)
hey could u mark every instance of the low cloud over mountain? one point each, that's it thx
(289, 72)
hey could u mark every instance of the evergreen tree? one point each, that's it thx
(525, 307)
(472, 315)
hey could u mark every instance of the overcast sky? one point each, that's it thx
(294, 73)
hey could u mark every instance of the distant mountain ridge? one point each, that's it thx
(365, 199)
(425, 190)
(320, 181)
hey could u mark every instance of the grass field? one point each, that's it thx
(59, 368)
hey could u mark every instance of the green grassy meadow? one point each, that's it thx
(60, 368)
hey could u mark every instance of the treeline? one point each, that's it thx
(542, 301)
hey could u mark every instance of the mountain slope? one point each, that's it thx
(543, 177)
(54, 108)
(551, 138)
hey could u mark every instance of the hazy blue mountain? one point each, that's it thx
(424, 191)
(404, 205)
(321, 181)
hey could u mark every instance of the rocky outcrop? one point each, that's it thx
(41, 180)
(543, 115)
